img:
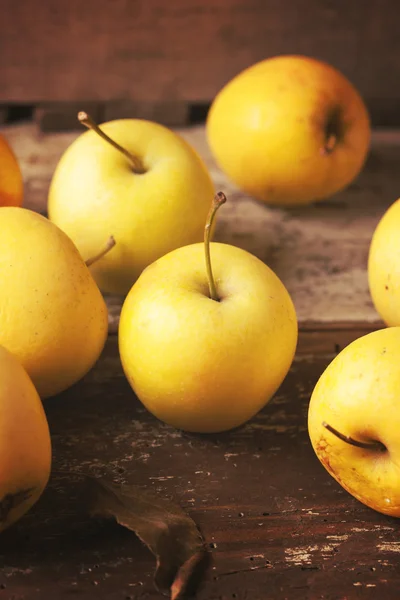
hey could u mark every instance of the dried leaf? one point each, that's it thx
(166, 530)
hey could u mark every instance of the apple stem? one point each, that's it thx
(110, 244)
(136, 164)
(218, 200)
(330, 144)
(374, 445)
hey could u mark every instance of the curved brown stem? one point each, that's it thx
(218, 200)
(110, 244)
(136, 164)
(373, 445)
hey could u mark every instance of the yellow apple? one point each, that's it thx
(53, 317)
(384, 266)
(141, 183)
(289, 130)
(205, 354)
(354, 419)
(25, 446)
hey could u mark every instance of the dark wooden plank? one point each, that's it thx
(277, 525)
(62, 116)
(3, 114)
(331, 338)
(171, 114)
(154, 50)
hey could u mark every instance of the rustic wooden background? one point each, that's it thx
(157, 59)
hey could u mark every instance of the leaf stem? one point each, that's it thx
(110, 244)
(218, 200)
(136, 164)
(374, 445)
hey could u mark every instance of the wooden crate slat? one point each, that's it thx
(62, 116)
(151, 50)
(3, 114)
(171, 114)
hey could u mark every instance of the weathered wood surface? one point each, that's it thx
(319, 252)
(276, 524)
(152, 50)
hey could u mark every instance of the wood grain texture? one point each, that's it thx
(320, 252)
(152, 50)
(276, 524)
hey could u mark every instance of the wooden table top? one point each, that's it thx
(276, 524)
